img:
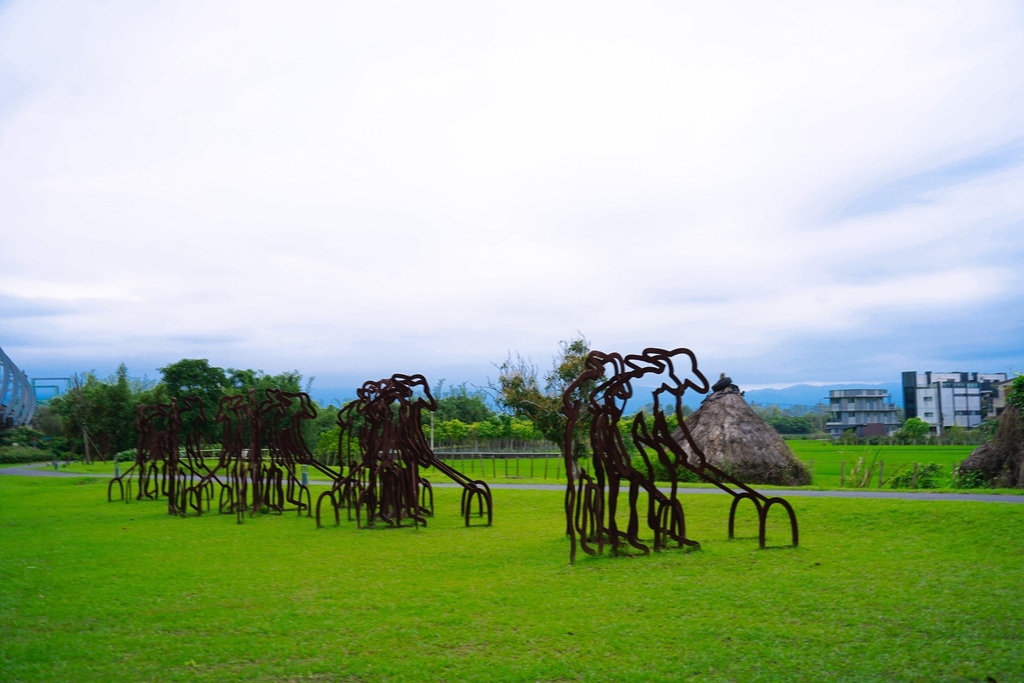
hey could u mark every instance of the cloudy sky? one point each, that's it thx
(797, 191)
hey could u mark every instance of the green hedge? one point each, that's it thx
(23, 454)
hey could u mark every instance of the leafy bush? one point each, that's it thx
(23, 454)
(968, 479)
(21, 436)
(928, 476)
(848, 438)
(125, 455)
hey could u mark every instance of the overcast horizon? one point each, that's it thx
(799, 193)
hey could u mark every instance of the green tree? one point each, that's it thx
(195, 377)
(458, 403)
(100, 412)
(520, 391)
(788, 424)
(524, 431)
(954, 436)
(325, 421)
(450, 431)
(113, 419)
(47, 421)
(495, 428)
(914, 430)
(1015, 396)
(240, 381)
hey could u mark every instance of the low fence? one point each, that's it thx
(495, 464)
(510, 465)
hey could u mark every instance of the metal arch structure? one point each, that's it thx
(17, 398)
(37, 385)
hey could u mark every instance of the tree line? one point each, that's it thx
(521, 410)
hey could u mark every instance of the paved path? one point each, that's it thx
(43, 470)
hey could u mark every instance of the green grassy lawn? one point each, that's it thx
(879, 590)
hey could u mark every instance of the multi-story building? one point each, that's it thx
(869, 412)
(998, 403)
(945, 399)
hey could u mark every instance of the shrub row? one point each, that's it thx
(23, 454)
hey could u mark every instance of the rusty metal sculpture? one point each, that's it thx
(157, 428)
(257, 467)
(591, 502)
(383, 482)
(262, 451)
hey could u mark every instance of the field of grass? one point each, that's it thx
(827, 459)
(889, 590)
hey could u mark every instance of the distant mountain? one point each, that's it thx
(799, 394)
(809, 395)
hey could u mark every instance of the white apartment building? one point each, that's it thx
(945, 399)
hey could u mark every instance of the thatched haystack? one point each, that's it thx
(734, 438)
(1001, 460)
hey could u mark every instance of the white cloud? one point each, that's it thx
(451, 181)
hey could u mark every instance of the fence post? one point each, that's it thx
(842, 474)
(546, 466)
(531, 466)
(881, 468)
(913, 480)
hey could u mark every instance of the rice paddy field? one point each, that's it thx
(893, 590)
(831, 464)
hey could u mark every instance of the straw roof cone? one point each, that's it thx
(735, 439)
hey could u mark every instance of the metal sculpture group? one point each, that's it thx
(384, 482)
(262, 452)
(592, 501)
(256, 469)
